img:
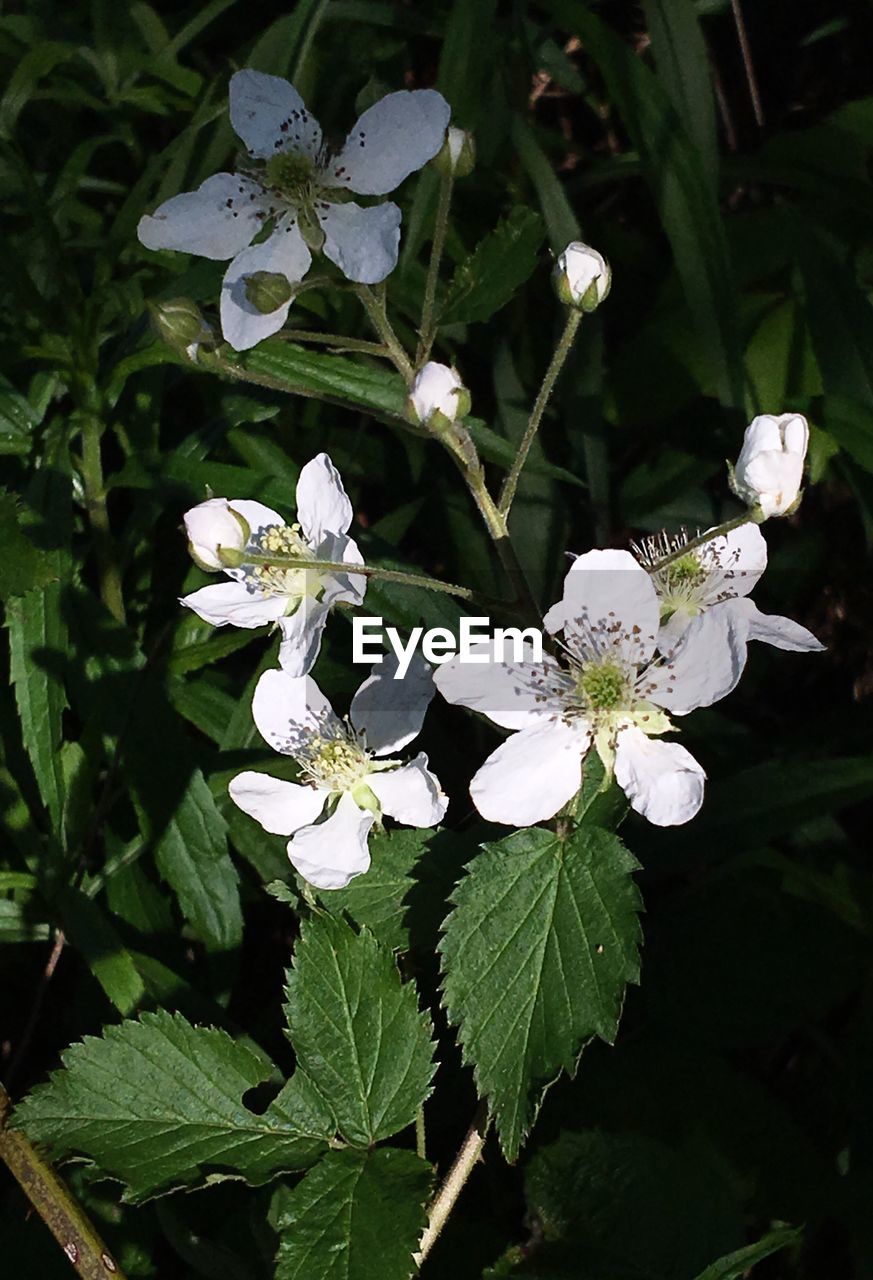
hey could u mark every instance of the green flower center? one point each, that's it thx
(687, 570)
(603, 686)
(290, 173)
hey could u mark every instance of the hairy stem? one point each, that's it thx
(446, 1197)
(747, 517)
(368, 570)
(55, 1205)
(428, 328)
(420, 1134)
(562, 350)
(375, 308)
(337, 342)
(98, 516)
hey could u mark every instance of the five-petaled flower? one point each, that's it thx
(719, 576)
(248, 541)
(293, 185)
(351, 777)
(610, 692)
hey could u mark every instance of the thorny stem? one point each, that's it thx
(562, 350)
(368, 570)
(465, 1161)
(747, 517)
(375, 307)
(55, 1205)
(428, 329)
(98, 516)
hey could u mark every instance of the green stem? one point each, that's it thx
(562, 350)
(465, 1162)
(428, 328)
(375, 309)
(368, 570)
(55, 1205)
(747, 517)
(336, 341)
(98, 516)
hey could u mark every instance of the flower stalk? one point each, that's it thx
(375, 308)
(446, 1198)
(366, 570)
(428, 328)
(746, 517)
(562, 350)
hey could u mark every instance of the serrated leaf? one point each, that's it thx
(536, 955)
(737, 1264)
(18, 420)
(158, 1103)
(355, 1216)
(499, 265)
(376, 901)
(328, 377)
(357, 1030)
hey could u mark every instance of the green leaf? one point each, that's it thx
(37, 650)
(499, 265)
(355, 1216)
(328, 377)
(559, 217)
(462, 69)
(735, 1265)
(682, 62)
(682, 189)
(17, 420)
(357, 1030)
(376, 901)
(92, 934)
(158, 1103)
(536, 955)
(23, 566)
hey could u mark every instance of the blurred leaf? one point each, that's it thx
(497, 268)
(33, 67)
(374, 1223)
(536, 955)
(559, 216)
(850, 423)
(684, 194)
(357, 1030)
(738, 1264)
(462, 68)
(158, 1104)
(90, 931)
(18, 420)
(24, 566)
(682, 62)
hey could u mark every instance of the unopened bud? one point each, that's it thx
(217, 535)
(267, 291)
(457, 156)
(179, 323)
(581, 276)
(437, 397)
(769, 470)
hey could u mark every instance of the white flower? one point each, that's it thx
(292, 183)
(350, 778)
(719, 576)
(297, 599)
(437, 389)
(582, 276)
(610, 693)
(769, 469)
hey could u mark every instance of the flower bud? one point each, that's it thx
(457, 156)
(267, 291)
(217, 535)
(180, 323)
(438, 397)
(581, 276)
(769, 469)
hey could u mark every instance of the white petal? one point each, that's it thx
(210, 525)
(410, 794)
(391, 712)
(362, 242)
(260, 105)
(289, 709)
(322, 503)
(285, 254)
(609, 606)
(339, 548)
(280, 807)
(255, 514)
(203, 222)
(532, 774)
(232, 602)
(333, 852)
(661, 780)
(301, 636)
(782, 633)
(705, 665)
(512, 694)
(734, 562)
(394, 138)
